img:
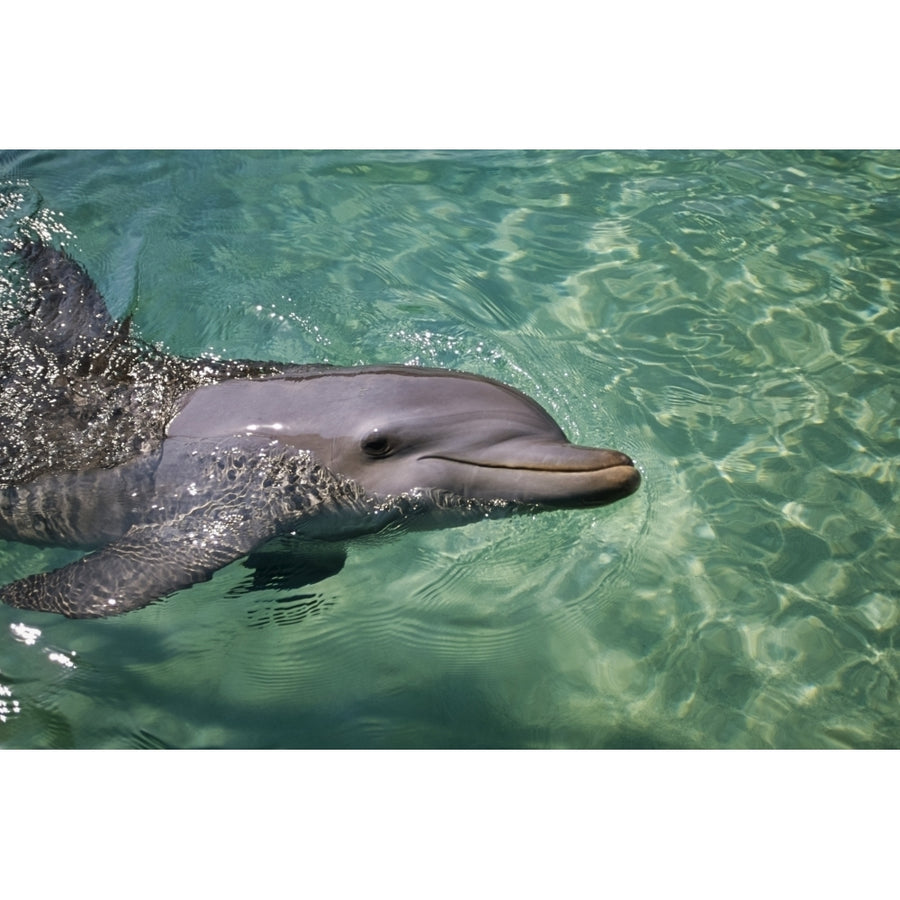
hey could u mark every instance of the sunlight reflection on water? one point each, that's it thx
(730, 320)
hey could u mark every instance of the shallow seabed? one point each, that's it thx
(729, 319)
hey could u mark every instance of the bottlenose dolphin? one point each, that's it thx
(169, 468)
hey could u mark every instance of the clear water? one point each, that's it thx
(732, 320)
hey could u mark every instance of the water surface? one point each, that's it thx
(728, 319)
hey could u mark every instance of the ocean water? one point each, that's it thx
(729, 319)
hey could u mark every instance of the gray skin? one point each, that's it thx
(169, 469)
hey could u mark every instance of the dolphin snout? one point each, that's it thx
(576, 458)
(608, 459)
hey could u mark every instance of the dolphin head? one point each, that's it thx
(397, 431)
(468, 436)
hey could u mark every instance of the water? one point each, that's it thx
(729, 319)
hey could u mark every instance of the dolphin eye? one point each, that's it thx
(376, 445)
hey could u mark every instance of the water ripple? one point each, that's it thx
(729, 319)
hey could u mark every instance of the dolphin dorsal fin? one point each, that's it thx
(67, 301)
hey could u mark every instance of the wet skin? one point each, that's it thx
(171, 468)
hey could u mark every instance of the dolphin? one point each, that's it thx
(167, 469)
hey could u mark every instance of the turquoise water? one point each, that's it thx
(729, 319)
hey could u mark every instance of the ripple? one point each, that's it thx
(728, 319)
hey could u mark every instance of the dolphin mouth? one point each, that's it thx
(531, 467)
(557, 478)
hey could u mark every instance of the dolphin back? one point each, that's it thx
(77, 390)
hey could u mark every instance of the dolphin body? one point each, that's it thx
(169, 468)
